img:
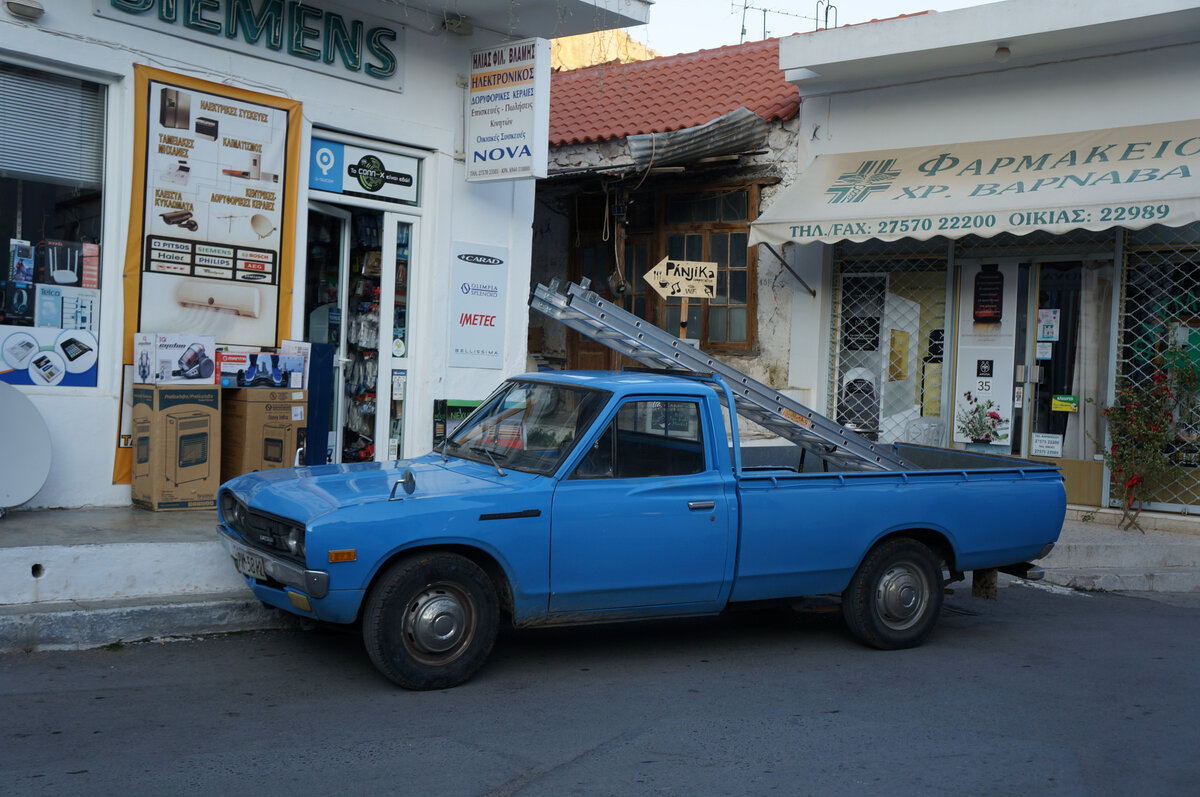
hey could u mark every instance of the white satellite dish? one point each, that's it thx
(262, 225)
(23, 429)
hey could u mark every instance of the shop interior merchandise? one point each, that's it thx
(361, 305)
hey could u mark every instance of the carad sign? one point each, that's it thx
(508, 111)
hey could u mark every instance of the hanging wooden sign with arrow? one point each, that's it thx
(686, 279)
(695, 279)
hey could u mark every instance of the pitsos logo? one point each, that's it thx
(482, 260)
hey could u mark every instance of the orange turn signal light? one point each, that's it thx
(348, 555)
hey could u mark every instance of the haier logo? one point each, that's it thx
(482, 260)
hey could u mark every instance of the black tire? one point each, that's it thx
(895, 596)
(430, 621)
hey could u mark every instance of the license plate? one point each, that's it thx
(250, 565)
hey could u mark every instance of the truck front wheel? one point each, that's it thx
(895, 596)
(430, 621)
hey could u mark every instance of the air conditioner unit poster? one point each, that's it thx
(217, 209)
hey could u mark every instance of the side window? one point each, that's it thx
(648, 438)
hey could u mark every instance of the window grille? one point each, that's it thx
(1159, 333)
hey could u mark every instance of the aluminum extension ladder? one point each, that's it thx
(589, 314)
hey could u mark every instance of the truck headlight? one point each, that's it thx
(295, 541)
(232, 511)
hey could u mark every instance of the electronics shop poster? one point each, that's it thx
(49, 313)
(212, 217)
(217, 209)
(477, 319)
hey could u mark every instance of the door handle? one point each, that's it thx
(699, 506)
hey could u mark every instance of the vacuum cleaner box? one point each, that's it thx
(260, 369)
(174, 359)
(261, 429)
(176, 446)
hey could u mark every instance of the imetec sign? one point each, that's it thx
(361, 48)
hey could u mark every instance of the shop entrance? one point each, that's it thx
(1031, 350)
(356, 298)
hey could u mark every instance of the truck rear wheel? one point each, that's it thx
(895, 596)
(430, 621)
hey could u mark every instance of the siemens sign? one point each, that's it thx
(360, 48)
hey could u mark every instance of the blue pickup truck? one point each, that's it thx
(586, 497)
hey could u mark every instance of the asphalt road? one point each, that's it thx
(1039, 692)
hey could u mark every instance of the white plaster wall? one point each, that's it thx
(1095, 93)
(428, 115)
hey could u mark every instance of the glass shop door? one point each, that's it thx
(357, 299)
(328, 258)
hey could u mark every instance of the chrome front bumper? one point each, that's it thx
(314, 583)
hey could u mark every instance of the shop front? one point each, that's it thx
(269, 178)
(995, 270)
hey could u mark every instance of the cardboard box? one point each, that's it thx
(261, 429)
(16, 303)
(260, 369)
(176, 446)
(174, 359)
(20, 260)
(64, 307)
(58, 263)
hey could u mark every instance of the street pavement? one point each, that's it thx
(90, 577)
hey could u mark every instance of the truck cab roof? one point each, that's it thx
(627, 382)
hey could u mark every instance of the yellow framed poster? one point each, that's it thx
(212, 217)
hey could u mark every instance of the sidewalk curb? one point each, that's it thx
(79, 625)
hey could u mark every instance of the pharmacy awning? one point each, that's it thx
(1123, 177)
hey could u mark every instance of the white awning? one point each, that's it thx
(1124, 177)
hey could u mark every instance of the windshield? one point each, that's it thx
(526, 426)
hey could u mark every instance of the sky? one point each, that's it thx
(684, 26)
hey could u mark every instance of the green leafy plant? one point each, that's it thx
(1139, 429)
(979, 419)
(1183, 370)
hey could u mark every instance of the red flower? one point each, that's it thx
(995, 416)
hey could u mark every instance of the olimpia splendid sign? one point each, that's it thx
(361, 48)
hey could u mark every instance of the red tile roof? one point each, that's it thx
(611, 101)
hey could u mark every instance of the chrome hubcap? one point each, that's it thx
(901, 596)
(437, 622)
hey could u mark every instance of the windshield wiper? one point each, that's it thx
(496, 465)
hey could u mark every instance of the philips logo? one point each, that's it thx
(482, 260)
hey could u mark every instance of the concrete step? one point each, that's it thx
(1132, 552)
(116, 570)
(1123, 579)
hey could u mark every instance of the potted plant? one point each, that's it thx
(1139, 423)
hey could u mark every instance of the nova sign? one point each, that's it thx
(508, 111)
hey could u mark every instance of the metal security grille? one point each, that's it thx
(1159, 333)
(889, 318)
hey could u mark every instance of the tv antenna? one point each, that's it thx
(748, 6)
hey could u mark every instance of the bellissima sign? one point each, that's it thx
(355, 47)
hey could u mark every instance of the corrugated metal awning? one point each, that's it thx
(1124, 177)
(740, 130)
